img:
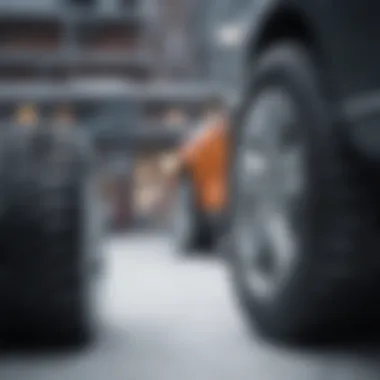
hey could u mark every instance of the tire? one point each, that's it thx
(189, 225)
(47, 243)
(324, 272)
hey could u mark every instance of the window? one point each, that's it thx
(30, 36)
(108, 37)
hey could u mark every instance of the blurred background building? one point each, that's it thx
(137, 64)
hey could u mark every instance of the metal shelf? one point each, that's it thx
(105, 90)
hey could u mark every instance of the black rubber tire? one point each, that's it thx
(334, 280)
(46, 243)
(198, 236)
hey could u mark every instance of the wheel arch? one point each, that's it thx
(282, 23)
(288, 22)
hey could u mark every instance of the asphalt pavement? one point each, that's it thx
(169, 318)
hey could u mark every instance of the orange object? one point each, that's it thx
(205, 157)
(27, 115)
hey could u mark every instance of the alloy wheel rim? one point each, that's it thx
(270, 184)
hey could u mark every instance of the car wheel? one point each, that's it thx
(300, 210)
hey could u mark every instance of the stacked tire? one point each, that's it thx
(47, 253)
